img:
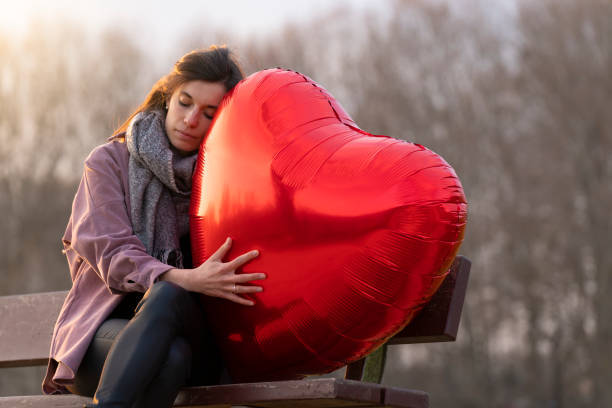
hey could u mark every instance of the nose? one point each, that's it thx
(191, 118)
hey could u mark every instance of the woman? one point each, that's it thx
(128, 235)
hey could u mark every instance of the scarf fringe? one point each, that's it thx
(170, 256)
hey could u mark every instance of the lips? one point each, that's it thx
(186, 135)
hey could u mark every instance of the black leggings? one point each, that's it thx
(144, 360)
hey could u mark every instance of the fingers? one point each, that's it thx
(226, 271)
(246, 289)
(236, 262)
(247, 277)
(242, 259)
(242, 289)
(222, 251)
(240, 300)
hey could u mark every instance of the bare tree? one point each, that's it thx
(566, 58)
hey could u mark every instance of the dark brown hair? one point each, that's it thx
(215, 64)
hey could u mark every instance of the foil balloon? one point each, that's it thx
(355, 231)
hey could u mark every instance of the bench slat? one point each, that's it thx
(26, 326)
(273, 393)
(44, 401)
(326, 392)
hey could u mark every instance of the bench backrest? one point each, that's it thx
(26, 321)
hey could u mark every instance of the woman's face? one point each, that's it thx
(190, 111)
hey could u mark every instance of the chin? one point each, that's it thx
(186, 152)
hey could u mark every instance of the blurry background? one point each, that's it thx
(515, 94)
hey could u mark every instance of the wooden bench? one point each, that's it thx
(26, 325)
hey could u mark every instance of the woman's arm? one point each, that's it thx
(217, 278)
(100, 233)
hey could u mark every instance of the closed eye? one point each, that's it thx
(210, 112)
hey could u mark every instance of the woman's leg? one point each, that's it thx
(160, 392)
(173, 374)
(86, 379)
(147, 347)
(88, 375)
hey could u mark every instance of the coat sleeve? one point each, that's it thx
(101, 230)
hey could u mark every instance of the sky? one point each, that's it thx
(163, 21)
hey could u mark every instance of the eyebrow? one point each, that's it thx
(191, 97)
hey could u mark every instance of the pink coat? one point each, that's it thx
(105, 258)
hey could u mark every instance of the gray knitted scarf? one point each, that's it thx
(160, 187)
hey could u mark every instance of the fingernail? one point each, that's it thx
(260, 289)
(256, 252)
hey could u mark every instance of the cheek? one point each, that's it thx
(167, 125)
(170, 119)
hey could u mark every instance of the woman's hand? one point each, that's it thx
(217, 278)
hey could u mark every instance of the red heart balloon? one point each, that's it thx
(355, 231)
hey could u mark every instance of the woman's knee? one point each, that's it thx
(164, 295)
